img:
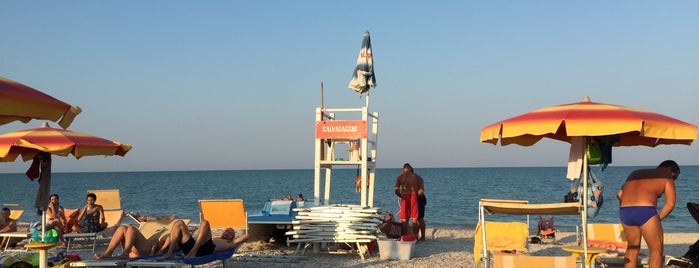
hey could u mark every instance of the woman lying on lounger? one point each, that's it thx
(133, 244)
(204, 244)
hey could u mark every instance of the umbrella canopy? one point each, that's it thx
(28, 143)
(22, 103)
(363, 77)
(587, 118)
(590, 119)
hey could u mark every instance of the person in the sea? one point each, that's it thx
(408, 187)
(300, 198)
(91, 216)
(8, 225)
(421, 203)
(56, 216)
(203, 244)
(288, 198)
(638, 199)
(133, 244)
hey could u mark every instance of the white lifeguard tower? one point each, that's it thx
(355, 129)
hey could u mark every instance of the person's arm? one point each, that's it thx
(101, 213)
(11, 227)
(670, 199)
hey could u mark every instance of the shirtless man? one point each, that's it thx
(7, 225)
(408, 187)
(204, 244)
(638, 199)
(134, 244)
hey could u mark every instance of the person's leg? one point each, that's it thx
(652, 232)
(421, 221)
(203, 236)
(117, 239)
(178, 234)
(136, 244)
(633, 237)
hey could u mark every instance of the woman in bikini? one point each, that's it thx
(91, 217)
(133, 244)
(56, 218)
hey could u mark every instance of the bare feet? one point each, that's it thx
(165, 256)
(99, 256)
(172, 217)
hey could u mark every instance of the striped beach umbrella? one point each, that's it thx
(589, 119)
(19, 102)
(363, 77)
(38, 144)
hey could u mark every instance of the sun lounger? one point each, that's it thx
(224, 213)
(110, 200)
(610, 236)
(525, 261)
(113, 219)
(152, 261)
(501, 236)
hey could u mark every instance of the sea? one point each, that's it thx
(452, 193)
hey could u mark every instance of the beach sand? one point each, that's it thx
(444, 247)
(447, 247)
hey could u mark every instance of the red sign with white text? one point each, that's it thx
(341, 129)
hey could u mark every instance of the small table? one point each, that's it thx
(42, 248)
(592, 253)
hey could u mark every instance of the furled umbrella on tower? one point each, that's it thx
(585, 120)
(363, 77)
(38, 144)
(19, 102)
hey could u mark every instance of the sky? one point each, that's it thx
(233, 85)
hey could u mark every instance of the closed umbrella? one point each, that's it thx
(19, 102)
(363, 76)
(587, 119)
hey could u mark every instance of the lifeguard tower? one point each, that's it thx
(346, 137)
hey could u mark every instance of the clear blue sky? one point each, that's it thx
(198, 85)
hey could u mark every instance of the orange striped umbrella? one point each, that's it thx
(590, 119)
(587, 118)
(22, 103)
(28, 143)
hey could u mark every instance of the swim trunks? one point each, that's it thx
(636, 215)
(408, 207)
(205, 249)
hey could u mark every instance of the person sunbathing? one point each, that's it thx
(204, 244)
(141, 218)
(133, 244)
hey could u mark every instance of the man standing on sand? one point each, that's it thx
(638, 200)
(408, 186)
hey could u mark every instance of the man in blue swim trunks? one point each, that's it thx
(638, 199)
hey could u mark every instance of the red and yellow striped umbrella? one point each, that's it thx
(587, 118)
(28, 143)
(19, 102)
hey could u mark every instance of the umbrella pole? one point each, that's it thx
(43, 224)
(584, 196)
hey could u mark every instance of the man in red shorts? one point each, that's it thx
(408, 186)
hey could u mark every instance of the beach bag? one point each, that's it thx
(594, 191)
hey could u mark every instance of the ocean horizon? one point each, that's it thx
(452, 193)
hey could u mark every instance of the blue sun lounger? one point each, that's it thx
(153, 261)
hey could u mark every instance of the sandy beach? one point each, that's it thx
(444, 247)
(452, 247)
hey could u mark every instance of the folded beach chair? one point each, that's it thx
(16, 213)
(500, 237)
